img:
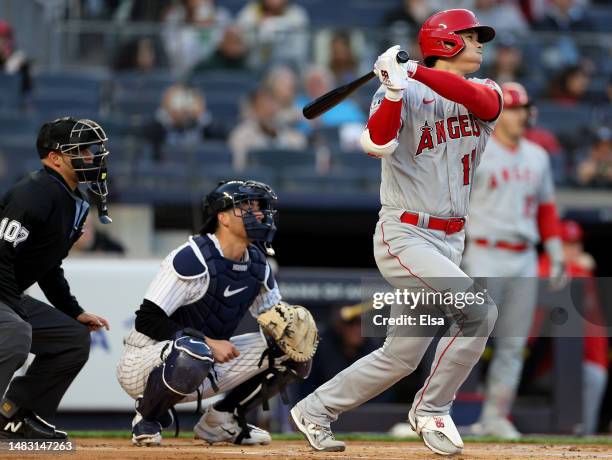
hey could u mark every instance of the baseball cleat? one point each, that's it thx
(217, 426)
(498, 426)
(26, 424)
(319, 437)
(438, 432)
(146, 432)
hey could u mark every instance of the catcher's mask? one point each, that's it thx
(234, 194)
(84, 142)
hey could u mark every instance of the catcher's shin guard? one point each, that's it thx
(183, 371)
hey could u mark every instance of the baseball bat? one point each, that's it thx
(332, 98)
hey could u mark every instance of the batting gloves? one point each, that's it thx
(392, 74)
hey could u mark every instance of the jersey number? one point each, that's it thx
(467, 161)
(13, 231)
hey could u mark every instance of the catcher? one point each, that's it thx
(181, 348)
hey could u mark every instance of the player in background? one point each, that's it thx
(182, 348)
(581, 264)
(513, 208)
(41, 217)
(429, 126)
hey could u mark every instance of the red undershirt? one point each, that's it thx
(481, 100)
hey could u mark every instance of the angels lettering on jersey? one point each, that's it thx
(519, 174)
(438, 131)
(447, 128)
(440, 144)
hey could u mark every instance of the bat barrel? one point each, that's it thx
(335, 96)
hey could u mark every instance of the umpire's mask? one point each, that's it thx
(84, 142)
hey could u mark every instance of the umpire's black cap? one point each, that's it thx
(54, 134)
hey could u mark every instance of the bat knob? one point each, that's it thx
(402, 56)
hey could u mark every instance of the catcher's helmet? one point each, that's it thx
(229, 194)
(70, 136)
(515, 95)
(440, 29)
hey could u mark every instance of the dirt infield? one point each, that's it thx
(185, 449)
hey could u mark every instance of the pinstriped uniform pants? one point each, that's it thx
(142, 354)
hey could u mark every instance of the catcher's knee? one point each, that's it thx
(187, 364)
(183, 370)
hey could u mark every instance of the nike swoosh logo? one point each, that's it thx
(425, 101)
(229, 293)
(231, 433)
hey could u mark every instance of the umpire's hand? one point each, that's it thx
(93, 322)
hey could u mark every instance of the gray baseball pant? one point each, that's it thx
(411, 257)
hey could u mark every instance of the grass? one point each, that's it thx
(540, 439)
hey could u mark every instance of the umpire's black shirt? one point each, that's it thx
(40, 219)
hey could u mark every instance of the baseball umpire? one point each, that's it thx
(40, 219)
(185, 324)
(429, 125)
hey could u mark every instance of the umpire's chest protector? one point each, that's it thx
(232, 288)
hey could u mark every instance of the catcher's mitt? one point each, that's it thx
(293, 329)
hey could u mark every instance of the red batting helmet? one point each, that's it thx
(571, 231)
(440, 29)
(515, 95)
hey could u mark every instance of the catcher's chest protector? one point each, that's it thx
(232, 289)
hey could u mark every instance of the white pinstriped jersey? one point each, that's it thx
(169, 291)
(440, 145)
(508, 188)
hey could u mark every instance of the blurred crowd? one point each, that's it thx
(273, 56)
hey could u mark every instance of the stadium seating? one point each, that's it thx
(305, 179)
(60, 103)
(10, 87)
(125, 102)
(561, 118)
(18, 124)
(282, 159)
(227, 83)
(56, 94)
(601, 18)
(90, 83)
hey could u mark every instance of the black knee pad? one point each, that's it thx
(182, 372)
(187, 365)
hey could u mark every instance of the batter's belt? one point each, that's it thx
(508, 245)
(447, 225)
